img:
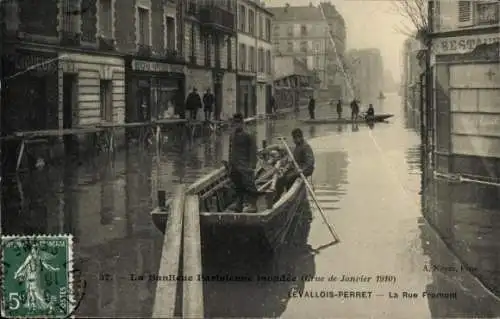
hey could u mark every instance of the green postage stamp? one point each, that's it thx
(37, 276)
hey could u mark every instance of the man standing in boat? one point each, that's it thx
(242, 163)
(304, 157)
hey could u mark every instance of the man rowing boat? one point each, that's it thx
(304, 157)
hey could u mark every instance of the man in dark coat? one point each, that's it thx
(272, 104)
(304, 156)
(339, 108)
(354, 110)
(193, 104)
(241, 164)
(312, 107)
(208, 103)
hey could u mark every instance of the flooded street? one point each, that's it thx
(366, 179)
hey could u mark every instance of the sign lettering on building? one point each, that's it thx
(33, 62)
(151, 66)
(462, 44)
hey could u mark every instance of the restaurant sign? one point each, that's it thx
(462, 44)
(151, 66)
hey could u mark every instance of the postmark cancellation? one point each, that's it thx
(37, 276)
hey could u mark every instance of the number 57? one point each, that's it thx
(14, 302)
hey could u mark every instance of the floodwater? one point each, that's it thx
(367, 181)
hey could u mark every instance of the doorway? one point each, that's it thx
(218, 100)
(69, 99)
(269, 93)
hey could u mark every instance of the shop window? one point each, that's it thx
(106, 100)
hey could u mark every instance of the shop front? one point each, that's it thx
(30, 91)
(154, 89)
(246, 95)
(467, 87)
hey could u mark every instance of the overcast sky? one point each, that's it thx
(369, 24)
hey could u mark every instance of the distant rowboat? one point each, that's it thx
(375, 118)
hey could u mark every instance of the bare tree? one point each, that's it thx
(415, 12)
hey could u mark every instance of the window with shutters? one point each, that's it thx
(465, 13)
(477, 13)
(106, 18)
(261, 60)
(487, 13)
(242, 57)
(251, 59)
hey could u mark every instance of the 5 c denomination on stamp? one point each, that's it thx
(37, 276)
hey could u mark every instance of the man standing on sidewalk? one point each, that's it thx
(312, 107)
(193, 104)
(208, 102)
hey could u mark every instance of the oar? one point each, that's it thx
(310, 189)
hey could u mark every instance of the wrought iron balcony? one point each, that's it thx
(106, 44)
(218, 18)
(69, 38)
(144, 50)
(173, 56)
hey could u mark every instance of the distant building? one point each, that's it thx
(367, 72)
(305, 32)
(293, 82)
(255, 66)
(412, 71)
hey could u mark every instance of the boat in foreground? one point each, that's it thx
(268, 226)
(374, 119)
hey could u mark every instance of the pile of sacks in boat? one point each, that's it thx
(273, 163)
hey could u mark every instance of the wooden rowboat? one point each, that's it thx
(376, 118)
(268, 226)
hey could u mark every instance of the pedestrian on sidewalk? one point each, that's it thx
(241, 164)
(354, 110)
(193, 104)
(339, 108)
(208, 102)
(312, 107)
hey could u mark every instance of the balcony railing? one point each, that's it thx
(217, 17)
(106, 44)
(69, 38)
(144, 50)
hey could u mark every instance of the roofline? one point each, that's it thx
(255, 5)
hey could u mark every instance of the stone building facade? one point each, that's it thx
(255, 70)
(61, 69)
(210, 51)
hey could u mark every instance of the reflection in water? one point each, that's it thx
(472, 300)
(355, 127)
(296, 259)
